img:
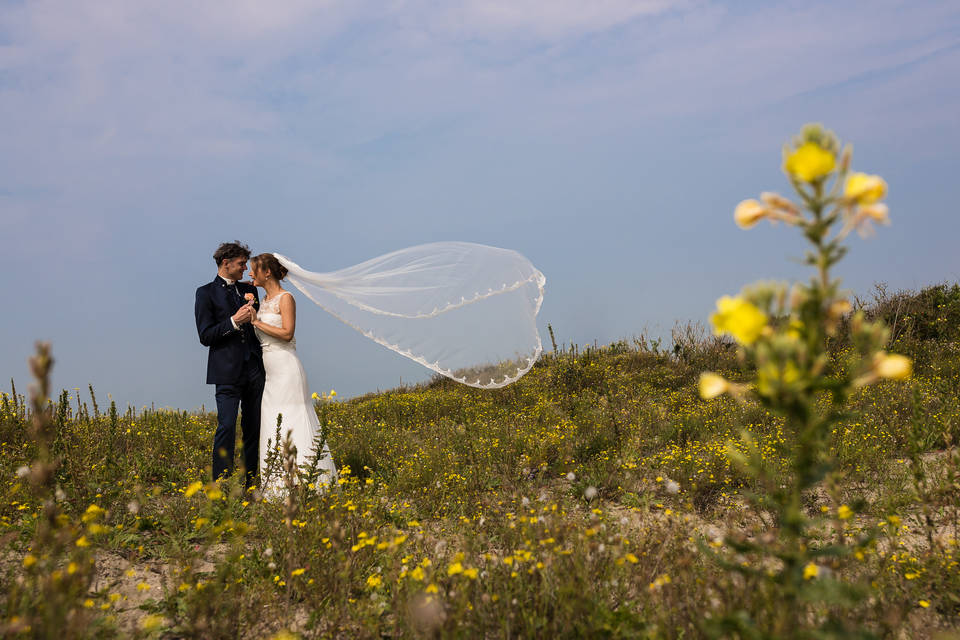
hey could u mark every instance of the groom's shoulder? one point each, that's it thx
(205, 288)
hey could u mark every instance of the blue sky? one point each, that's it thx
(608, 141)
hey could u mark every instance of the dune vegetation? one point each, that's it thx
(793, 473)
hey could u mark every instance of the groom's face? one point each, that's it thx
(235, 267)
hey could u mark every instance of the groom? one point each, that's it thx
(223, 311)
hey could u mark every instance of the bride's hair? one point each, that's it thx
(267, 262)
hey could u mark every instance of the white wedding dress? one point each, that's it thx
(286, 392)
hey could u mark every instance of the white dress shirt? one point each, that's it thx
(229, 284)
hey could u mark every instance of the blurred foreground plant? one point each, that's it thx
(50, 599)
(784, 332)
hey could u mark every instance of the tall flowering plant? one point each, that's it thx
(784, 331)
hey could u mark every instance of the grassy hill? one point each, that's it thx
(585, 500)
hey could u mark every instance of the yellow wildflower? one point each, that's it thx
(749, 212)
(924, 603)
(712, 385)
(781, 204)
(739, 318)
(29, 560)
(297, 572)
(83, 542)
(193, 488)
(810, 162)
(811, 571)
(374, 581)
(844, 512)
(893, 366)
(864, 189)
(454, 569)
(315, 396)
(92, 513)
(470, 573)
(877, 212)
(863, 216)
(151, 623)
(432, 588)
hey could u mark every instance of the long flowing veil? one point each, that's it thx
(467, 311)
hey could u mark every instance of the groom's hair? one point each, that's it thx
(231, 250)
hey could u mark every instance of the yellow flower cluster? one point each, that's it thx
(810, 162)
(738, 318)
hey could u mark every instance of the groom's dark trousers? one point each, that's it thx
(235, 366)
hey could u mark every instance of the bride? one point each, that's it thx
(285, 390)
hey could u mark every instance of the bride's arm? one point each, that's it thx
(288, 316)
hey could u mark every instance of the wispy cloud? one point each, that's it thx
(118, 82)
(112, 107)
(198, 117)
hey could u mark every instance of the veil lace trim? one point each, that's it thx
(466, 311)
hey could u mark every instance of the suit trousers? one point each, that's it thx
(242, 397)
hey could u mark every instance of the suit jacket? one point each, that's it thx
(230, 348)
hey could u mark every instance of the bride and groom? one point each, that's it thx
(464, 310)
(253, 363)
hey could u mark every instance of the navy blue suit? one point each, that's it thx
(235, 365)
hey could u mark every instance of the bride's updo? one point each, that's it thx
(269, 263)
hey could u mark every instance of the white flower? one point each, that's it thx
(571, 476)
(23, 471)
(268, 552)
(590, 493)
(672, 487)
(525, 501)
(133, 507)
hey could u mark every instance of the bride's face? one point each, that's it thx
(255, 276)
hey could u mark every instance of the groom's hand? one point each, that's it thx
(243, 315)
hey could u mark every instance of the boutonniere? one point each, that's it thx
(249, 297)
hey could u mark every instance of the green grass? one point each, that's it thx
(544, 509)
